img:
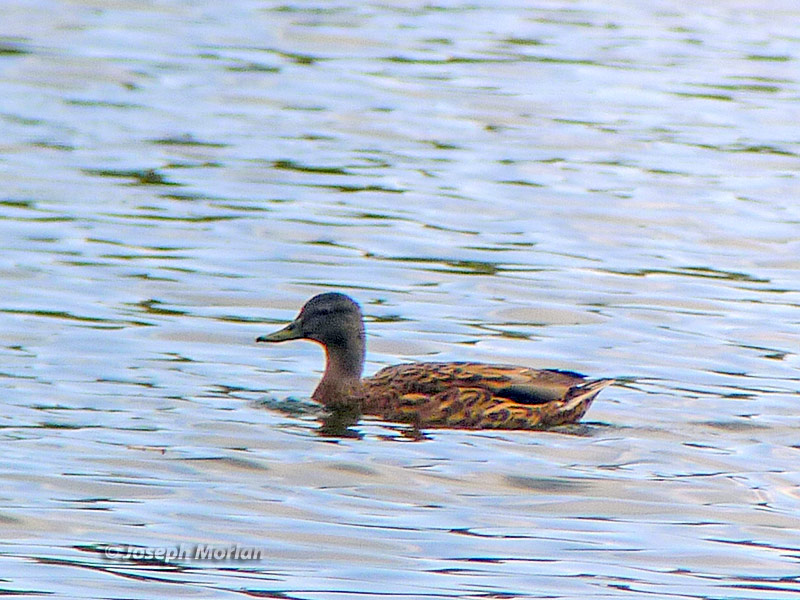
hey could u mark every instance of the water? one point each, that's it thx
(610, 188)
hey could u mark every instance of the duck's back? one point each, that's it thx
(477, 395)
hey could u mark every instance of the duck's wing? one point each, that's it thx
(521, 384)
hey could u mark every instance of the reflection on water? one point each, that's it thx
(605, 190)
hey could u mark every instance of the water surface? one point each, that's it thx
(609, 188)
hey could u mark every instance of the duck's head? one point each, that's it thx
(335, 321)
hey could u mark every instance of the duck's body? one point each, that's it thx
(478, 396)
(455, 395)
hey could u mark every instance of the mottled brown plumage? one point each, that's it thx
(455, 395)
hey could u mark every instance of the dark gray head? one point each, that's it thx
(335, 321)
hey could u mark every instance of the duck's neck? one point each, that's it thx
(341, 383)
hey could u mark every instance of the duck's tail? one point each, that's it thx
(579, 399)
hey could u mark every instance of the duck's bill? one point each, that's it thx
(290, 332)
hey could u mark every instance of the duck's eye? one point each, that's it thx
(328, 311)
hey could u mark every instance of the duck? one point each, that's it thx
(455, 395)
